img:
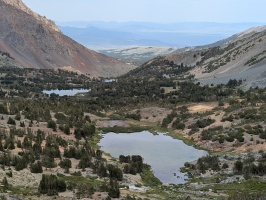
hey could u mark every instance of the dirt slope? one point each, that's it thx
(242, 57)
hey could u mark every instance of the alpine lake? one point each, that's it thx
(163, 153)
(71, 92)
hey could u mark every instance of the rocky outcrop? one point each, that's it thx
(21, 6)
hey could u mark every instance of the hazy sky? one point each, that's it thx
(151, 10)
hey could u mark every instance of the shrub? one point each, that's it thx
(36, 167)
(51, 185)
(66, 163)
(202, 123)
(11, 121)
(238, 167)
(263, 135)
(225, 166)
(134, 116)
(51, 124)
(178, 125)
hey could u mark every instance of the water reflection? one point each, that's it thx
(165, 154)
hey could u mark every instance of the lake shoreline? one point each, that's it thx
(166, 163)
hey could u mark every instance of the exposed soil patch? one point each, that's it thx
(112, 123)
(202, 107)
(153, 114)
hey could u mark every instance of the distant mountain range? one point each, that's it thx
(241, 56)
(34, 41)
(138, 55)
(138, 42)
(111, 35)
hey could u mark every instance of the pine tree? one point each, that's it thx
(36, 167)
(114, 191)
(5, 183)
(50, 185)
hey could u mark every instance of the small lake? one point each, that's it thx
(109, 80)
(66, 92)
(165, 154)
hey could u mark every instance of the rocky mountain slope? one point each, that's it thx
(242, 56)
(34, 41)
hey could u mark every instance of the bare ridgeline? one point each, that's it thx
(35, 41)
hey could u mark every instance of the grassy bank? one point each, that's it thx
(148, 177)
(119, 129)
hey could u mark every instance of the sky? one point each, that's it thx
(161, 11)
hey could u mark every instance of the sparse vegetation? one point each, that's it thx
(59, 134)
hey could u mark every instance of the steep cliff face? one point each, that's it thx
(34, 41)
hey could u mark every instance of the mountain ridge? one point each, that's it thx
(241, 56)
(109, 35)
(141, 54)
(34, 42)
(22, 6)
